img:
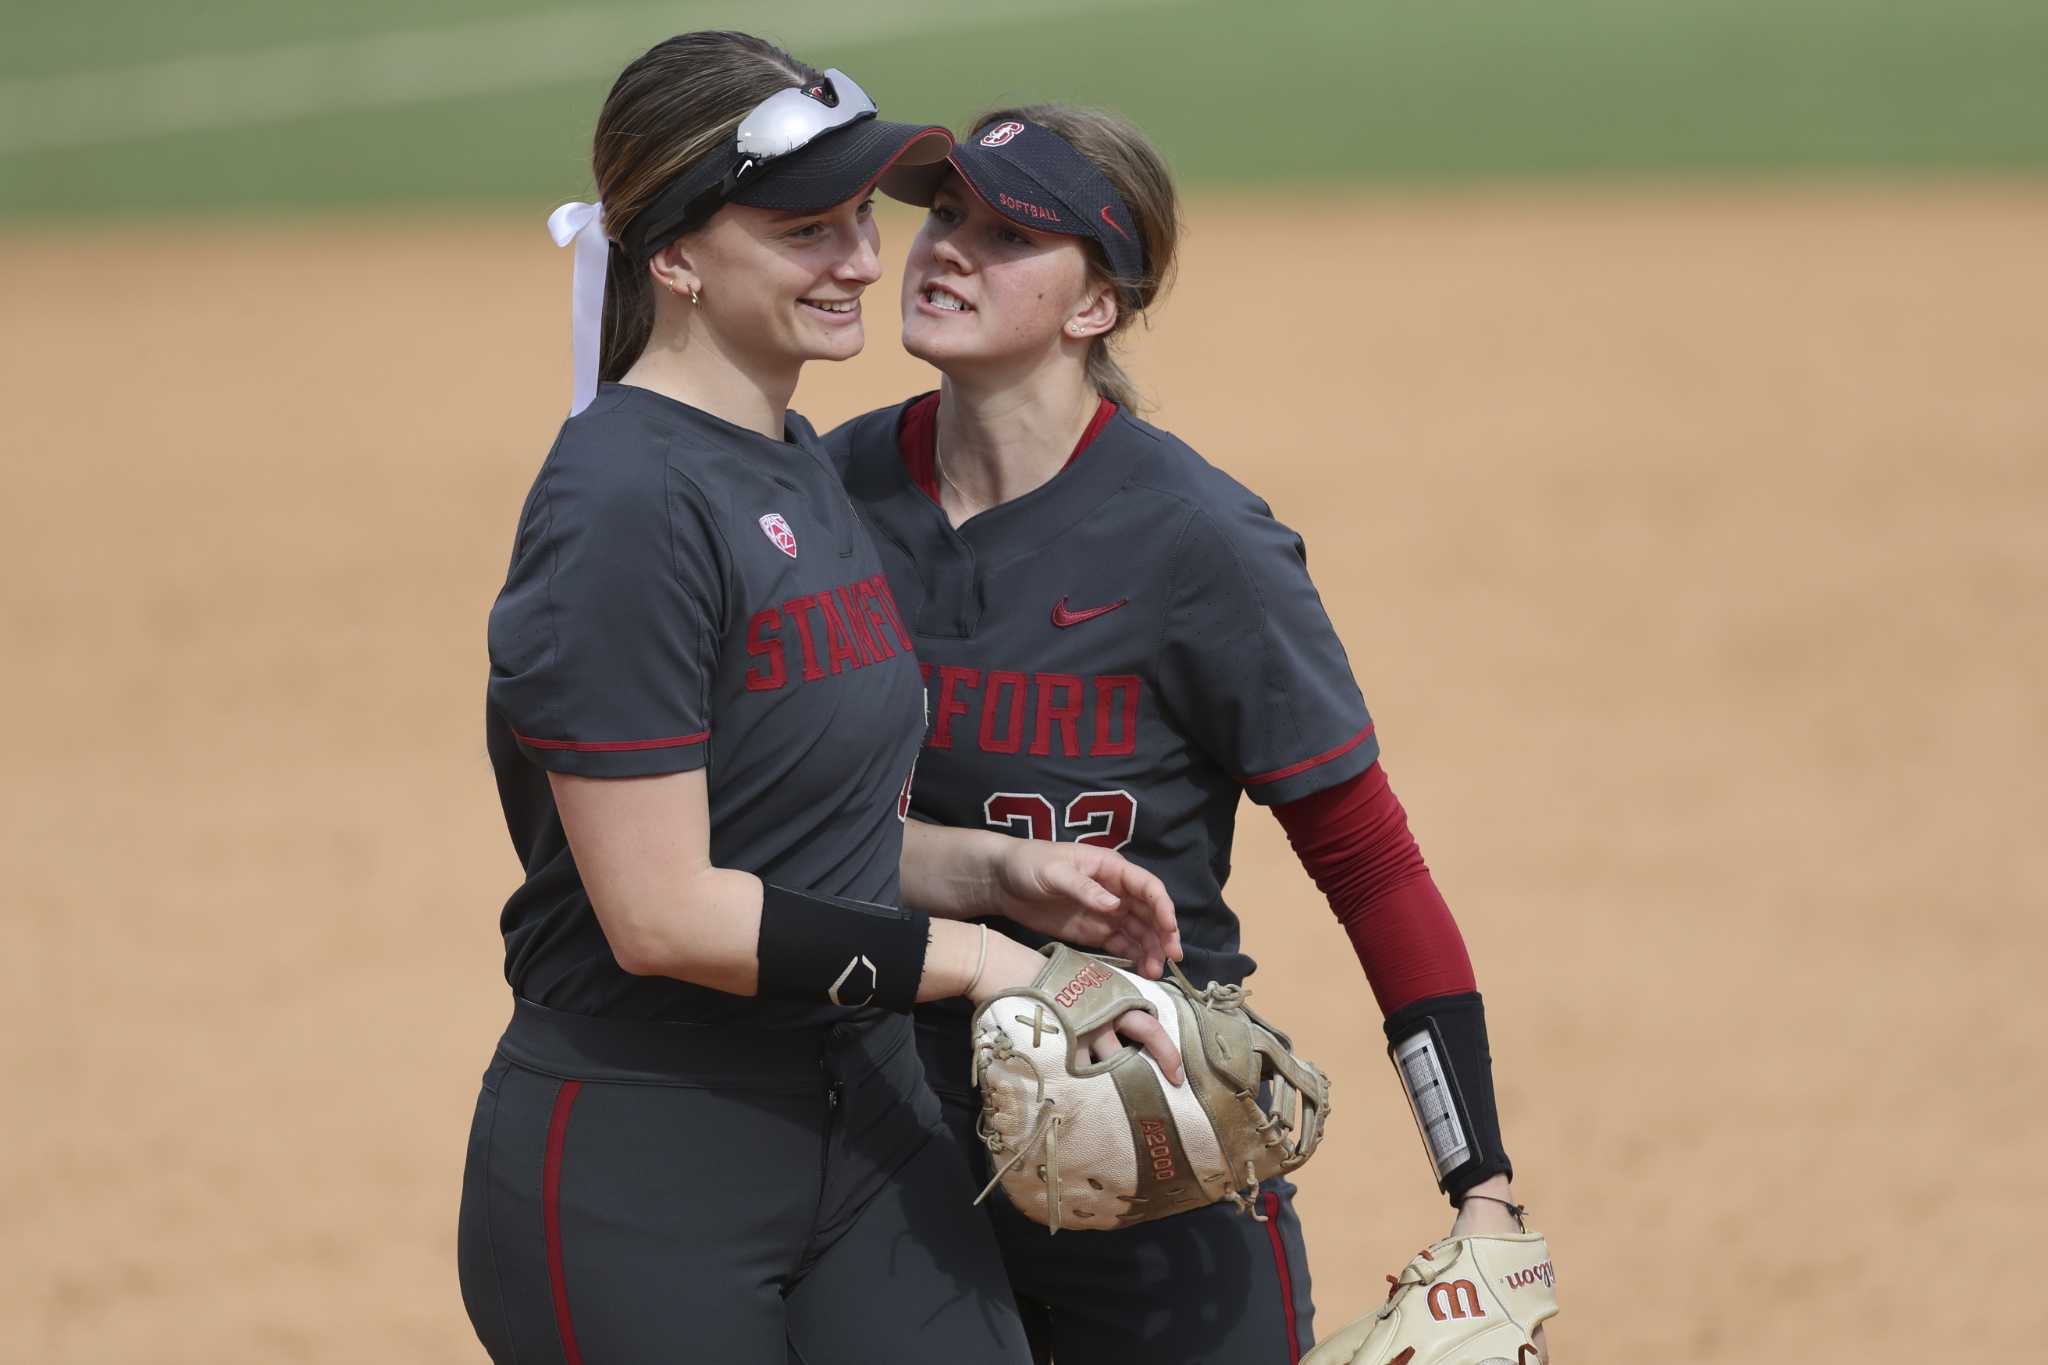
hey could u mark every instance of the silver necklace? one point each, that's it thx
(939, 463)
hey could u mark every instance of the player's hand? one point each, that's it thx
(1138, 1027)
(1010, 964)
(1087, 896)
(1488, 1218)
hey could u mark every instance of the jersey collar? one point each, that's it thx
(917, 439)
(953, 561)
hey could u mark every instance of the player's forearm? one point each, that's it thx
(704, 930)
(950, 873)
(642, 848)
(711, 935)
(1354, 842)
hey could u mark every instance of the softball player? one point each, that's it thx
(1118, 641)
(704, 1133)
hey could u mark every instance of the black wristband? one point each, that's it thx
(826, 950)
(1438, 1047)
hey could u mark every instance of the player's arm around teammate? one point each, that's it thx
(705, 1132)
(1120, 643)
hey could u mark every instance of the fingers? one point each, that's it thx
(1097, 897)
(1075, 884)
(1138, 944)
(1142, 895)
(1116, 936)
(1104, 883)
(1147, 1032)
(1141, 1028)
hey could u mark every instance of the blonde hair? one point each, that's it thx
(1131, 164)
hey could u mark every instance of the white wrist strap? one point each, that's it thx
(583, 224)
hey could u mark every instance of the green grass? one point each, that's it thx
(1236, 91)
(47, 39)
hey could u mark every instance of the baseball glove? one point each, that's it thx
(1078, 1143)
(1465, 1301)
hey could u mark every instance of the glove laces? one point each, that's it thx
(1045, 1126)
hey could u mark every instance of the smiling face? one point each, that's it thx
(980, 291)
(778, 288)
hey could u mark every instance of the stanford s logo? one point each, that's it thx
(778, 533)
(1001, 133)
(1460, 1300)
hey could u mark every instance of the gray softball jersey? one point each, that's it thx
(685, 593)
(1113, 659)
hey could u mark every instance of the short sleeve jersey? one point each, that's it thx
(1114, 658)
(685, 593)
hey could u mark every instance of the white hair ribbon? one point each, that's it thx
(583, 224)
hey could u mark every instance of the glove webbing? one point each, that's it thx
(1273, 1123)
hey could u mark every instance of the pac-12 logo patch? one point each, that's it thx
(1001, 133)
(778, 532)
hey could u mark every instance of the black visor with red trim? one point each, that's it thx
(1034, 177)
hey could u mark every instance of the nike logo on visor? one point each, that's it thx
(1062, 617)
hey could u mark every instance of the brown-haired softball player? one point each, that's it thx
(704, 1134)
(1119, 641)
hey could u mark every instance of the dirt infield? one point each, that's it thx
(1689, 547)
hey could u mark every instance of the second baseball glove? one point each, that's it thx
(1464, 1301)
(1084, 1144)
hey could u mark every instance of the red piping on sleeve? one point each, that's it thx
(551, 1216)
(1272, 1202)
(613, 746)
(1260, 779)
(1353, 839)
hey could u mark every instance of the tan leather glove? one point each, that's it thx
(1464, 1301)
(1078, 1143)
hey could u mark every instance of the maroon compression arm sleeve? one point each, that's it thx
(1353, 839)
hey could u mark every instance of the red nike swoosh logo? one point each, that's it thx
(1062, 617)
(1113, 223)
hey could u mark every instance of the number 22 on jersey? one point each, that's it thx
(1103, 819)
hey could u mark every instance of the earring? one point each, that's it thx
(693, 294)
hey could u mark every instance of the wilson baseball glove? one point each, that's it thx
(1078, 1143)
(1465, 1301)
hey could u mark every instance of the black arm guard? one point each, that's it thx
(844, 952)
(1438, 1047)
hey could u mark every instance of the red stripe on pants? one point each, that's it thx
(551, 1218)
(1272, 1201)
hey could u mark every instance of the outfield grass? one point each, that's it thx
(1236, 91)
